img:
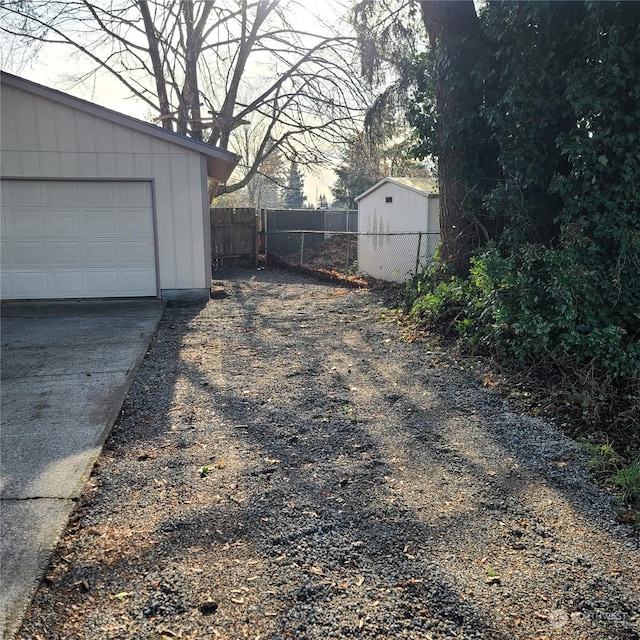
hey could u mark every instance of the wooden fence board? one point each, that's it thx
(234, 237)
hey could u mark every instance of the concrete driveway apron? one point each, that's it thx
(66, 368)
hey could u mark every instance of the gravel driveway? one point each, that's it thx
(286, 466)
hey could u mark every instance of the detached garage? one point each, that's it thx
(98, 204)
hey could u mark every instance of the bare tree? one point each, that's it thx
(209, 68)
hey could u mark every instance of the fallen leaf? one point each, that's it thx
(359, 581)
(410, 582)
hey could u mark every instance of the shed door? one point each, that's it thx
(77, 239)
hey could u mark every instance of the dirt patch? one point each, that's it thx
(334, 260)
(287, 466)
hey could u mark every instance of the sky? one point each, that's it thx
(51, 65)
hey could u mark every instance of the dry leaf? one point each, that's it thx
(410, 582)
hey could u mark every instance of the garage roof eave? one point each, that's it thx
(220, 170)
(220, 162)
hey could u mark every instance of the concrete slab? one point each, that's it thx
(30, 532)
(65, 369)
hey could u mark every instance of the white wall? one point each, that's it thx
(51, 140)
(394, 258)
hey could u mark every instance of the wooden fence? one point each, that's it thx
(234, 237)
(239, 234)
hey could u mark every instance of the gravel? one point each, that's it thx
(287, 466)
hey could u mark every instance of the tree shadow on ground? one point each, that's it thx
(351, 488)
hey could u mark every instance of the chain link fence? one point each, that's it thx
(393, 257)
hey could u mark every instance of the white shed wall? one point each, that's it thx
(51, 140)
(393, 258)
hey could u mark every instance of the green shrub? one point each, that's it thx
(534, 305)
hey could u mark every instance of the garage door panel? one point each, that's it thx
(5, 281)
(98, 222)
(77, 239)
(132, 194)
(27, 253)
(24, 222)
(135, 280)
(57, 193)
(13, 192)
(133, 222)
(105, 281)
(65, 223)
(96, 193)
(28, 284)
(100, 252)
(65, 283)
(62, 252)
(134, 253)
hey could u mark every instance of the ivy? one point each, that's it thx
(559, 88)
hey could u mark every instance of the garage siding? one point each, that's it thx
(53, 141)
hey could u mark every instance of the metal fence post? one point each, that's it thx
(302, 250)
(346, 266)
(418, 254)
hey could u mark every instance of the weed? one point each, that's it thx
(627, 481)
(622, 473)
(350, 412)
(603, 459)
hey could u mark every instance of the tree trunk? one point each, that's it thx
(456, 41)
(156, 63)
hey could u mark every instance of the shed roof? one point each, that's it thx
(424, 186)
(220, 162)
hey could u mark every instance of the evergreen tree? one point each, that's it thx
(366, 161)
(293, 196)
(361, 167)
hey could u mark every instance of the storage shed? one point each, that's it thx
(95, 203)
(399, 227)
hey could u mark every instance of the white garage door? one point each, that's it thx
(76, 239)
